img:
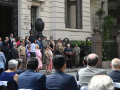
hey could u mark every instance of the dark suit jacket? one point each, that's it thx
(19, 71)
(61, 81)
(115, 75)
(32, 80)
(31, 39)
(14, 53)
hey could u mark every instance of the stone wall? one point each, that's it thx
(53, 14)
(57, 22)
(24, 20)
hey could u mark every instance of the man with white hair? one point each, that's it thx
(101, 82)
(14, 52)
(68, 49)
(115, 74)
(87, 73)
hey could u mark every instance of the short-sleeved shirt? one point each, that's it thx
(48, 53)
(59, 46)
(22, 50)
(32, 47)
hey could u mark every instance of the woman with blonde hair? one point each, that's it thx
(48, 54)
(51, 44)
(38, 56)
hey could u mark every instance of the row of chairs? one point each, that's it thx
(5, 85)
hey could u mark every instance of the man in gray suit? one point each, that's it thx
(87, 73)
(44, 45)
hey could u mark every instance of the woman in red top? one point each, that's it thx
(18, 41)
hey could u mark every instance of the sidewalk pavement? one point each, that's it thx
(70, 71)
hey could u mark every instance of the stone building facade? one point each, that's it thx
(73, 19)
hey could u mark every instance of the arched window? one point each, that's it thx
(73, 14)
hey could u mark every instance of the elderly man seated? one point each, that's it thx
(115, 74)
(91, 70)
(101, 82)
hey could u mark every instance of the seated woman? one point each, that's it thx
(10, 74)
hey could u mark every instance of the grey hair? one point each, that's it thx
(12, 64)
(101, 82)
(115, 63)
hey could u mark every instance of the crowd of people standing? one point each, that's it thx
(43, 50)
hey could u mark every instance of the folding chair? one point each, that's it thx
(84, 88)
(116, 86)
(5, 85)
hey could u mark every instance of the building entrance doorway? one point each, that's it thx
(6, 25)
(33, 19)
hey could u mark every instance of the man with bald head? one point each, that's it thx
(115, 74)
(91, 70)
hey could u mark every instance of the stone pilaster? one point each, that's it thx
(24, 20)
(97, 44)
(118, 41)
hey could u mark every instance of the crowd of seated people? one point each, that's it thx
(90, 77)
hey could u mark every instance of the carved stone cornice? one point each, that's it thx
(42, 4)
(29, 4)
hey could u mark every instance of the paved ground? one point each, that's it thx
(69, 71)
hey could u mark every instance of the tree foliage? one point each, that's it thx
(100, 12)
(107, 24)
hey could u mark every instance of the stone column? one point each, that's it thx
(118, 41)
(79, 14)
(67, 11)
(97, 44)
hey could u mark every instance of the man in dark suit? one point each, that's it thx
(14, 52)
(59, 80)
(31, 37)
(30, 79)
(115, 74)
(85, 74)
(11, 40)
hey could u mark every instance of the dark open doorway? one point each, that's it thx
(5, 21)
(33, 19)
